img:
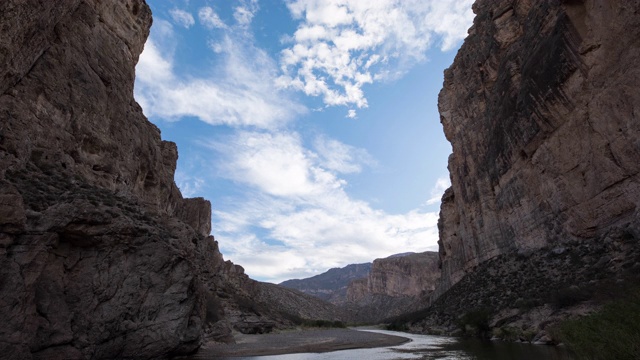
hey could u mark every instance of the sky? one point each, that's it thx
(310, 125)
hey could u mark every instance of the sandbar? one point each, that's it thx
(300, 341)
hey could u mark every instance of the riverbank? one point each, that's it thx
(290, 342)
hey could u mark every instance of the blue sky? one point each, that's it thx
(310, 125)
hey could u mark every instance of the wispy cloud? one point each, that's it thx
(239, 92)
(210, 19)
(438, 189)
(298, 210)
(342, 45)
(182, 18)
(340, 157)
(244, 13)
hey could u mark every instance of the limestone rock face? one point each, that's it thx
(408, 275)
(100, 254)
(394, 285)
(541, 106)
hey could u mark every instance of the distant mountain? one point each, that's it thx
(332, 285)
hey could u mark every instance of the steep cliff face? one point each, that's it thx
(100, 252)
(100, 256)
(394, 285)
(406, 275)
(541, 222)
(541, 107)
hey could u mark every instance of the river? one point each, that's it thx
(432, 347)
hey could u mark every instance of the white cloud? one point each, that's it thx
(209, 18)
(341, 158)
(244, 13)
(239, 92)
(342, 45)
(298, 210)
(182, 17)
(351, 114)
(294, 217)
(276, 164)
(438, 189)
(189, 186)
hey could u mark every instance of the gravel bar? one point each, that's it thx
(290, 342)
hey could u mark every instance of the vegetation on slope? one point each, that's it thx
(611, 333)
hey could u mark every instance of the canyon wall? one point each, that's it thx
(406, 275)
(100, 255)
(393, 286)
(541, 107)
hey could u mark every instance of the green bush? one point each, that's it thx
(569, 296)
(475, 323)
(611, 333)
(396, 326)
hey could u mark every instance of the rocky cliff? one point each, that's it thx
(541, 107)
(394, 285)
(100, 256)
(410, 275)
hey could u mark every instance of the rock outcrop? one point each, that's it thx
(541, 107)
(100, 256)
(406, 275)
(393, 286)
(95, 261)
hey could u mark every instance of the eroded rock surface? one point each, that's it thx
(394, 286)
(406, 275)
(100, 256)
(96, 262)
(541, 107)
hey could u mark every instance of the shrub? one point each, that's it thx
(475, 323)
(568, 297)
(396, 326)
(611, 333)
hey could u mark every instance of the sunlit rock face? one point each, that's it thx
(541, 106)
(100, 255)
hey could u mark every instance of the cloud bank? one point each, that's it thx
(298, 217)
(237, 92)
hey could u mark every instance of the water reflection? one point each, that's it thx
(429, 347)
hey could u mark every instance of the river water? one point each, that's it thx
(433, 347)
